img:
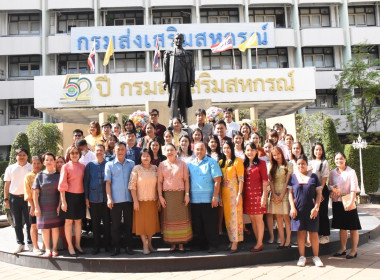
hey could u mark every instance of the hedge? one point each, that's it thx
(371, 165)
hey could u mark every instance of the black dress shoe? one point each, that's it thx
(73, 255)
(349, 257)
(129, 251)
(337, 254)
(95, 251)
(115, 252)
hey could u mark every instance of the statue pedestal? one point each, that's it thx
(162, 107)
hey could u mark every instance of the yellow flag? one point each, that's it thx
(251, 42)
(109, 53)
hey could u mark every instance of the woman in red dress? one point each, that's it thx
(255, 193)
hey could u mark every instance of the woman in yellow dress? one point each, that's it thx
(232, 189)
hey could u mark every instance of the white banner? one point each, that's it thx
(142, 37)
(77, 90)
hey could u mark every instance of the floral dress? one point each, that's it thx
(233, 214)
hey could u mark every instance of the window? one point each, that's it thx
(66, 21)
(23, 108)
(314, 17)
(275, 15)
(128, 62)
(270, 58)
(125, 18)
(171, 16)
(318, 57)
(219, 15)
(73, 64)
(367, 54)
(26, 24)
(325, 98)
(24, 66)
(223, 60)
(361, 16)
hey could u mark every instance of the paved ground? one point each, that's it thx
(365, 266)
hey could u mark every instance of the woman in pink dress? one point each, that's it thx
(255, 193)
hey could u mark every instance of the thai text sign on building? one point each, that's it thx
(77, 90)
(142, 37)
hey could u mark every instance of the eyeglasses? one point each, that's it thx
(74, 153)
(77, 135)
(153, 115)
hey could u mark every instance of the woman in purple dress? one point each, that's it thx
(46, 202)
(305, 193)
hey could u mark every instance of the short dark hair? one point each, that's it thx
(101, 145)
(278, 125)
(200, 111)
(78, 131)
(117, 144)
(154, 110)
(20, 150)
(81, 142)
(228, 109)
(106, 124)
(145, 150)
(130, 132)
(303, 157)
(221, 122)
(48, 154)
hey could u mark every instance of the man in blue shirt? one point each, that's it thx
(96, 198)
(119, 198)
(133, 152)
(205, 178)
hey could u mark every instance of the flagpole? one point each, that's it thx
(233, 55)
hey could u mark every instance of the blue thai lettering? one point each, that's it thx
(215, 38)
(242, 35)
(188, 42)
(161, 38)
(106, 39)
(147, 44)
(201, 37)
(171, 36)
(262, 41)
(124, 40)
(80, 42)
(97, 41)
(137, 42)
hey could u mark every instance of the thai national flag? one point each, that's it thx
(225, 45)
(91, 58)
(157, 54)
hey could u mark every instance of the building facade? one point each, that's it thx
(36, 36)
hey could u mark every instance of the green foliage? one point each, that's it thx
(330, 140)
(2, 194)
(308, 129)
(112, 118)
(360, 76)
(261, 128)
(371, 165)
(124, 118)
(21, 141)
(43, 138)
(243, 114)
(3, 166)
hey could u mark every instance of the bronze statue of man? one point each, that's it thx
(179, 78)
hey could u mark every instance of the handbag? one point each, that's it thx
(346, 199)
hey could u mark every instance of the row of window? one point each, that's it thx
(29, 24)
(319, 57)
(23, 109)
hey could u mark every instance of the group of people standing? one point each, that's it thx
(183, 184)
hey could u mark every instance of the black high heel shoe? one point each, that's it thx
(349, 257)
(337, 254)
(281, 246)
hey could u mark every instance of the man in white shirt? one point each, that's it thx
(14, 189)
(87, 155)
(232, 127)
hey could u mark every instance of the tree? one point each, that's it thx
(43, 138)
(360, 76)
(21, 141)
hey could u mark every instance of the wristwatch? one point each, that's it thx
(5, 199)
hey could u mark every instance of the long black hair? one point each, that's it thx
(238, 133)
(224, 158)
(209, 152)
(323, 157)
(255, 159)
